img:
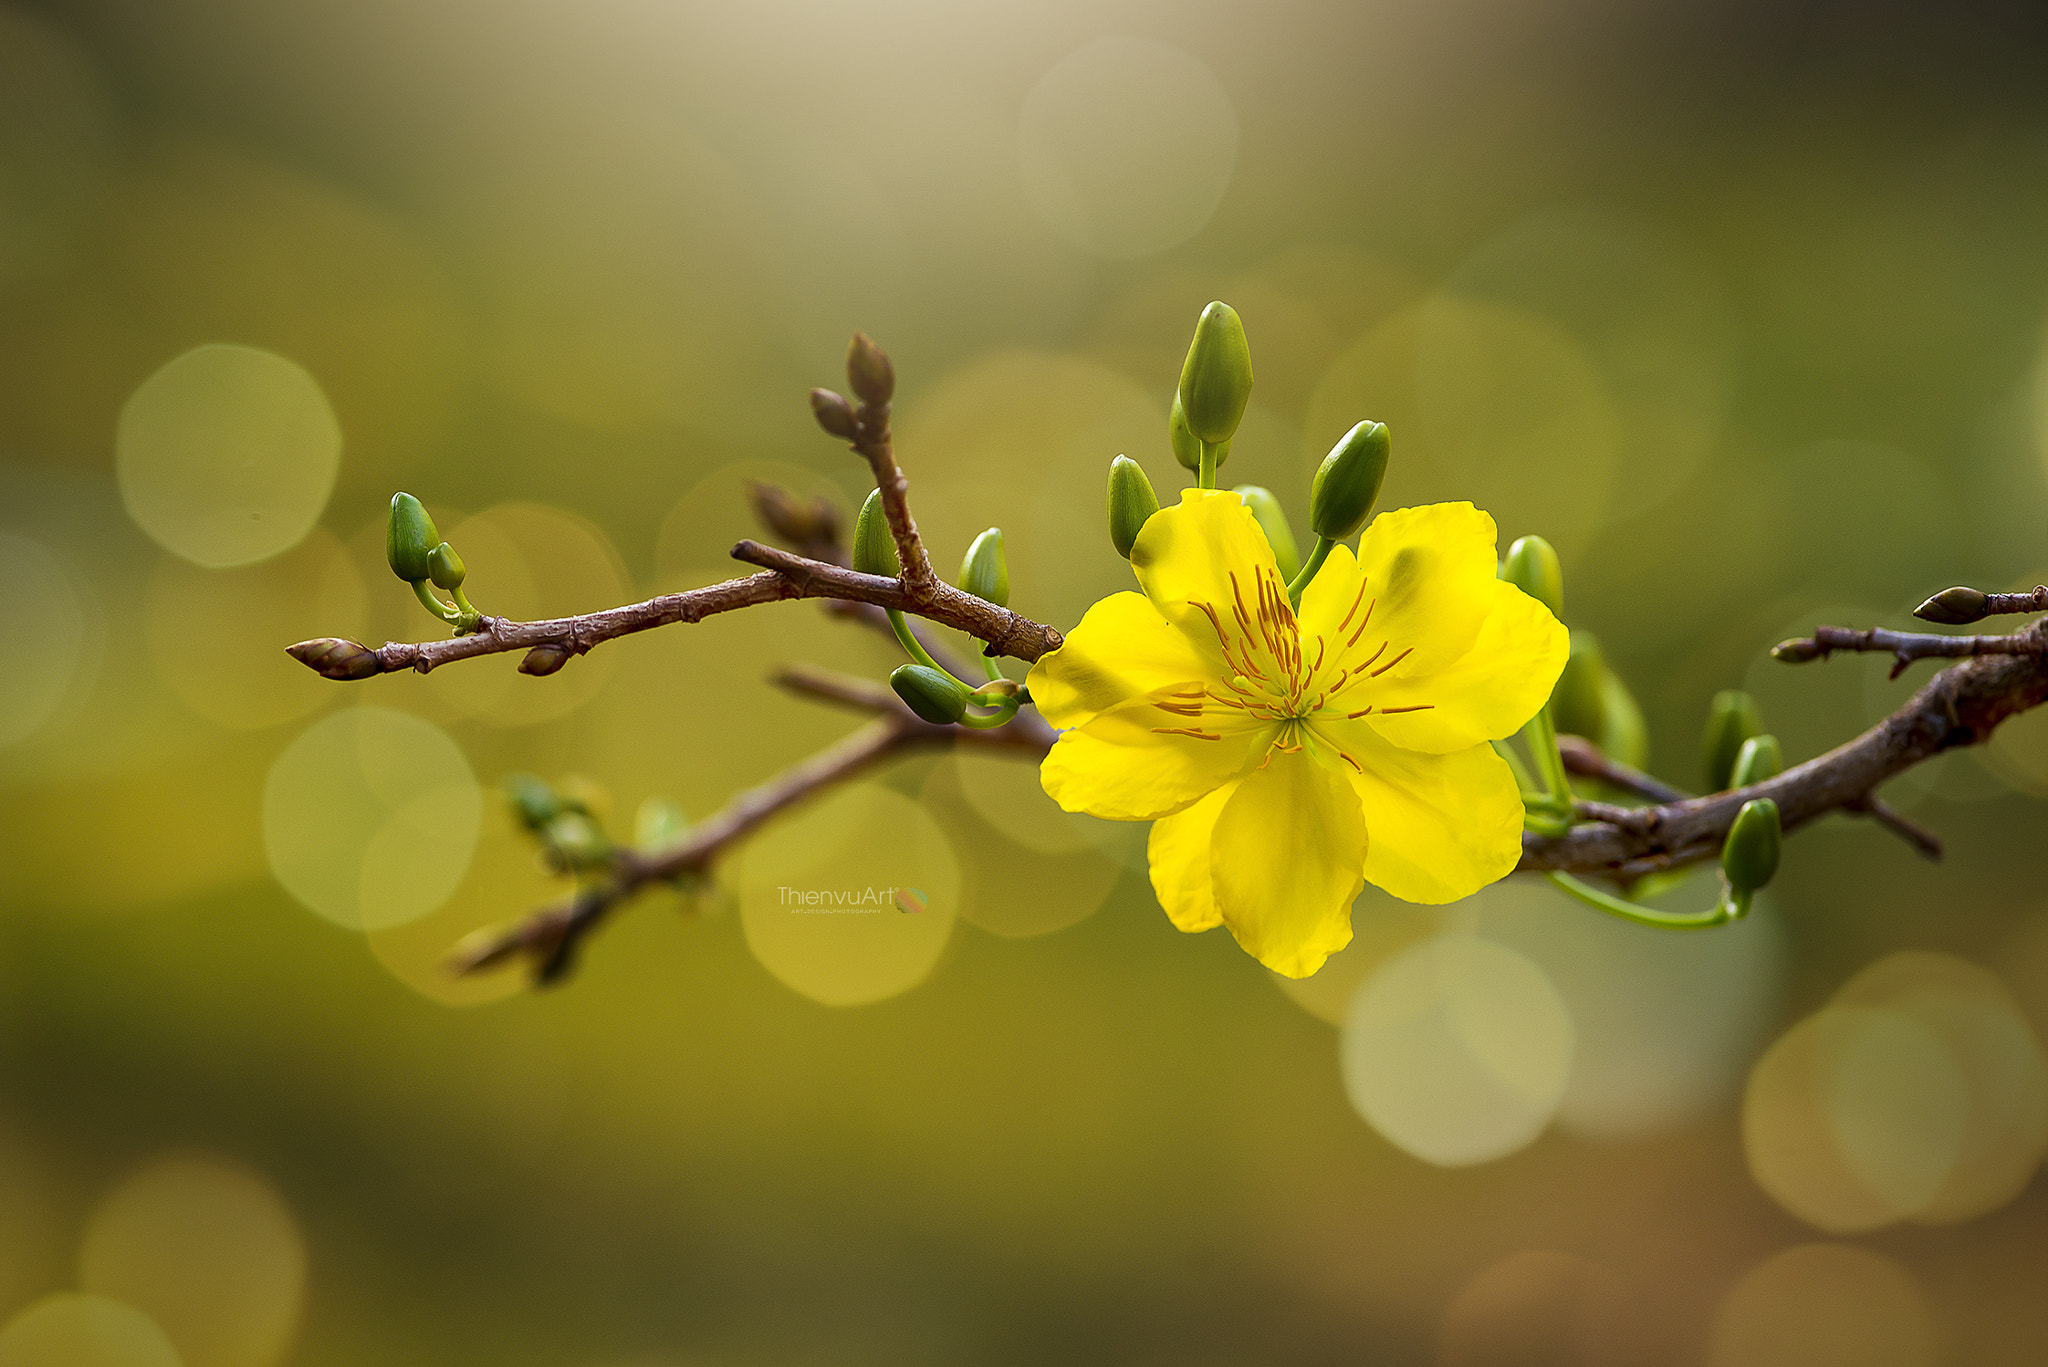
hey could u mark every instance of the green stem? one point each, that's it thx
(452, 616)
(916, 651)
(1205, 476)
(994, 719)
(988, 667)
(1730, 906)
(1542, 735)
(1316, 557)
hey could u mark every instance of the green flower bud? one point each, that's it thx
(1954, 607)
(1732, 718)
(1187, 447)
(1273, 522)
(1216, 378)
(1532, 567)
(336, 657)
(533, 801)
(1347, 483)
(658, 824)
(874, 545)
(1750, 855)
(869, 372)
(1131, 501)
(409, 539)
(544, 660)
(445, 568)
(834, 414)
(1578, 704)
(984, 572)
(935, 697)
(577, 841)
(1758, 759)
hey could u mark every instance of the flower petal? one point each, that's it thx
(1490, 693)
(1286, 861)
(1443, 826)
(1186, 555)
(1179, 855)
(1132, 763)
(1429, 576)
(1122, 650)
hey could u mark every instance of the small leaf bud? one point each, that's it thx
(1131, 502)
(658, 824)
(1758, 759)
(409, 539)
(935, 697)
(336, 657)
(1954, 607)
(1800, 650)
(984, 572)
(868, 371)
(445, 568)
(1532, 567)
(874, 545)
(544, 660)
(1347, 483)
(577, 840)
(533, 801)
(1578, 704)
(1749, 858)
(1273, 522)
(799, 522)
(1216, 378)
(1732, 718)
(834, 414)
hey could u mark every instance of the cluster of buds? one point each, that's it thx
(568, 821)
(416, 553)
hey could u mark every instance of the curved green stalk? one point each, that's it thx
(452, 616)
(1316, 557)
(1205, 474)
(1730, 906)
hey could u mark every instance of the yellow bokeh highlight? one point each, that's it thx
(72, 1330)
(1126, 146)
(217, 637)
(370, 817)
(1456, 1050)
(529, 562)
(850, 900)
(1817, 1305)
(1010, 885)
(210, 1251)
(1382, 925)
(226, 455)
(41, 604)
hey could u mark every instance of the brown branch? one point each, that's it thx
(1962, 705)
(1905, 828)
(1904, 646)
(1585, 759)
(872, 439)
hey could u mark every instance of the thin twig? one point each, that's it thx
(1905, 828)
(1586, 759)
(1904, 646)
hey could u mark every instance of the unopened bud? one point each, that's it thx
(1954, 607)
(1578, 703)
(1187, 447)
(544, 660)
(445, 568)
(658, 824)
(1347, 483)
(1800, 650)
(1732, 718)
(577, 840)
(868, 371)
(409, 539)
(1216, 378)
(533, 801)
(834, 414)
(1532, 567)
(874, 545)
(1273, 522)
(336, 657)
(1749, 858)
(1758, 759)
(797, 521)
(1131, 502)
(984, 572)
(935, 697)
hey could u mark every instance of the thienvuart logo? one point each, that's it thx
(869, 901)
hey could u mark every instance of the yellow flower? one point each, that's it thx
(1285, 758)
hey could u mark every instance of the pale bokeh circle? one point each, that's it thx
(226, 455)
(851, 900)
(370, 817)
(1825, 1305)
(1457, 1050)
(2005, 1126)
(210, 1251)
(217, 637)
(72, 1330)
(1009, 886)
(1126, 146)
(1382, 925)
(1664, 1025)
(39, 605)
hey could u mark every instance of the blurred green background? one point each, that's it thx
(1740, 305)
